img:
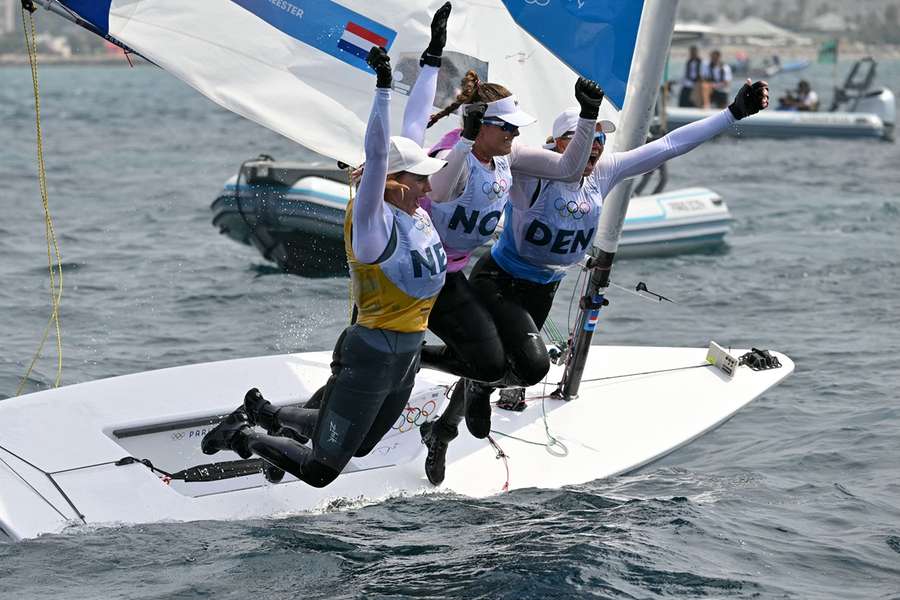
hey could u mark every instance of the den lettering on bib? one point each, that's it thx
(552, 234)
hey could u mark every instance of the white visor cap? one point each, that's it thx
(567, 121)
(406, 155)
(508, 110)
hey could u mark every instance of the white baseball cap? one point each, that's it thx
(506, 109)
(406, 155)
(567, 121)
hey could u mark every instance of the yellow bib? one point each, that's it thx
(398, 292)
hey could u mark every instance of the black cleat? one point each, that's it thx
(227, 435)
(435, 462)
(512, 399)
(260, 411)
(272, 473)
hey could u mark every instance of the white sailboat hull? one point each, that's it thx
(58, 448)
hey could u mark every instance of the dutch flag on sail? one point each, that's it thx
(357, 40)
(325, 25)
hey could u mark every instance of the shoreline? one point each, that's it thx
(84, 60)
(847, 52)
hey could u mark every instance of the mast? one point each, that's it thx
(651, 50)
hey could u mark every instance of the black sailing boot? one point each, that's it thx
(263, 413)
(478, 408)
(436, 439)
(229, 435)
(272, 473)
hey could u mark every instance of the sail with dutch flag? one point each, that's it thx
(297, 66)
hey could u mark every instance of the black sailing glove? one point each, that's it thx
(750, 99)
(380, 62)
(589, 96)
(472, 116)
(432, 54)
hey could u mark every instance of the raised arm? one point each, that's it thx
(568, 166)
(547, 164)
(619, 166)
(370, 235)
(421, 98)
(449, 182)
(419, 105)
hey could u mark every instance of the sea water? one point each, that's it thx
(796, 497)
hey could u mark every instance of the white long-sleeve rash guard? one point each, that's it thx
(450, 182)
(371, 223)
(420, 104)
(615, 167)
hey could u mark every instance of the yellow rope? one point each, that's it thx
(56, 276)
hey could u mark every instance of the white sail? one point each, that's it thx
(247, 56)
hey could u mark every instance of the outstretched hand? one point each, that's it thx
(380, 62)
(750, 99)
(473, 115)
(432, 54)
(589, 96)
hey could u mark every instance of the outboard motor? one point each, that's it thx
(880, 103)
(857, 95)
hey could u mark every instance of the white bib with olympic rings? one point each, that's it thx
(470, 220)
(418, 264)
(559, 228)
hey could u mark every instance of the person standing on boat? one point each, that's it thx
(718, 77)
(397, 268)
(692, 76)
(466, 202)
(549, 227)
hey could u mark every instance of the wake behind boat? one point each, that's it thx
(635, 405)
(293, 213)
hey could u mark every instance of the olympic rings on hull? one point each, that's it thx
(414, 416)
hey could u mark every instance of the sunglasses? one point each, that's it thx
(599, 137)
(507, 127)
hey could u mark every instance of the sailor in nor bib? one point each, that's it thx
(467, 201)
(469, 220)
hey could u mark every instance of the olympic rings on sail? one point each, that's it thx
(414, 416)
(494, 190)
(576, 210)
